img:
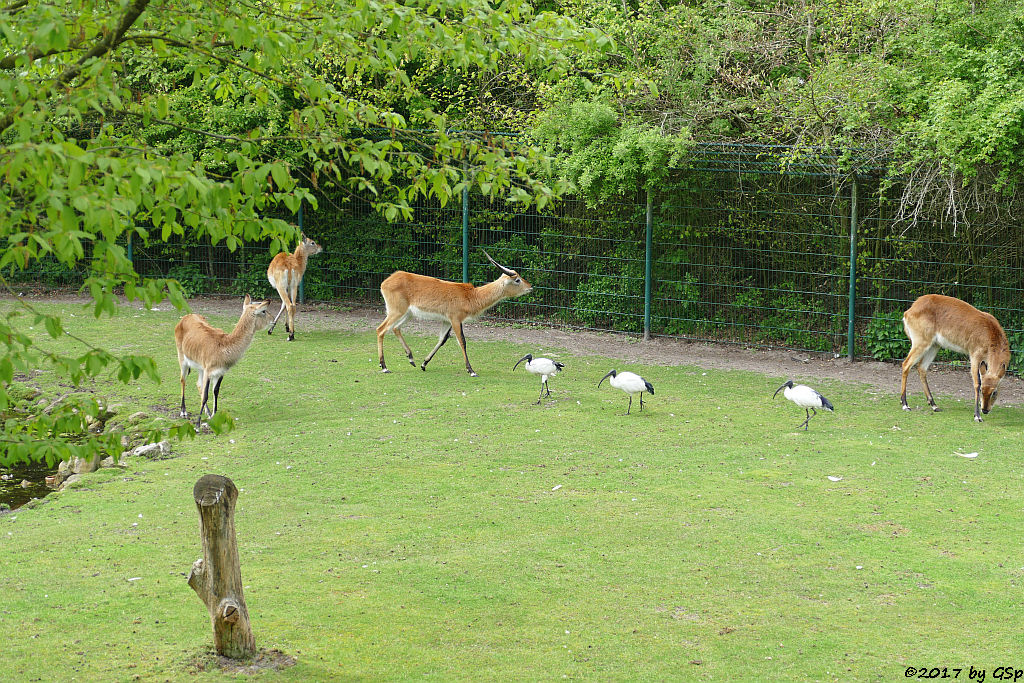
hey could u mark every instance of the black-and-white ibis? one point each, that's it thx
(805, 397)
(545, 367)
(631, 383)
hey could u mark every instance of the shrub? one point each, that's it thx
(684, 302)
(191, 278)
(613, 300)
(885, 338)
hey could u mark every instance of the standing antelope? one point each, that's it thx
(212, 352)
(935, 320)
(454, 303)
(285, 273)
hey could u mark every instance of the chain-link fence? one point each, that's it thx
(744, 248)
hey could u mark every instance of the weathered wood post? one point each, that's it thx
(217, 577)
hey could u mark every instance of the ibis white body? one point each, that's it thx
(545, 367)
(805, 397)
(631, 383)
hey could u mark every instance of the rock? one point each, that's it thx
(107, 412)
(137, 417)
(126, 441)
(146, 449)
(93, 424)
(107, 462)
(25, 483)
(64, 469)
(73, 479)
(153, 450)
(83, 466)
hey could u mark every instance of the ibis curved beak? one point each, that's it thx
(779, 389)
(528, 357)
(610, 374)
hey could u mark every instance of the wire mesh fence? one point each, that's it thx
(747, 247)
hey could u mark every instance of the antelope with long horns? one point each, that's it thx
(408, 294)
(935, 321)
(285, 273)
(212, 352)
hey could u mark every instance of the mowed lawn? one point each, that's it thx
(430, 524)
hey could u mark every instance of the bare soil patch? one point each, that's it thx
(778, 364)
(264, 660)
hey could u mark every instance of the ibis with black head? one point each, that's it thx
(805, 397)
(631, 383)
(545, 367)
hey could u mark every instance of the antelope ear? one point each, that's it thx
(247, 301)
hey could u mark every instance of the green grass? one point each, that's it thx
(409, 525)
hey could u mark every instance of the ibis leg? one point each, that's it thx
(541, 395)
(630, 404)
(811, 412)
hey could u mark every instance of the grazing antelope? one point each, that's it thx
(935, 321)
(408, 294)
(285, 273)
(212, 352)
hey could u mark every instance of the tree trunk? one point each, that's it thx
(217, 577)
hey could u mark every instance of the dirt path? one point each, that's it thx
(779, 364)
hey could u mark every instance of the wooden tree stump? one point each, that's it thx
(217, 577)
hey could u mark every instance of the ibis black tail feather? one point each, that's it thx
(648, 387)
(825, 403)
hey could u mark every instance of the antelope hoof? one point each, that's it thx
(422, 367)
(936, 409)
(385, 371)
(906, 407)
(472, 374)
(977, 418)
(291, 337)
(412, 362)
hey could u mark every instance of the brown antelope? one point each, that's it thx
(935, 321)
(212, 352)
(285, 273)
(407, 294)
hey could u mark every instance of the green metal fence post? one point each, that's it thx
(853, 269)
(465, 234)
(302, 294)
(647, 266)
